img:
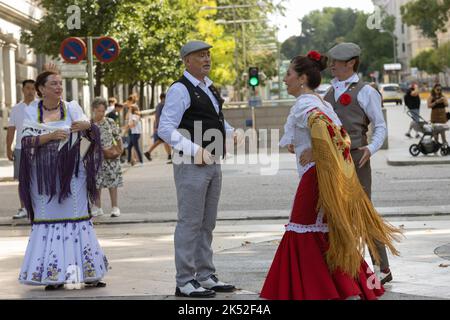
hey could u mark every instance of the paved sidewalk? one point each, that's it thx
(141, 257)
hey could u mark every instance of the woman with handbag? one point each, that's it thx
(438, 104)
(110, 174)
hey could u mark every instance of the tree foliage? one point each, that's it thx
(322, 29)
(433, 61)
(149, 32)
(430, 16)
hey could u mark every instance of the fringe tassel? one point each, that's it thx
(352, 220)
(93, 161)
(46, 160)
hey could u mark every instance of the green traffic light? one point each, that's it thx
(254, 81)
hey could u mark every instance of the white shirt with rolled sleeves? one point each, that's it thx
(370, 101)
(16, 117)
(177, 102)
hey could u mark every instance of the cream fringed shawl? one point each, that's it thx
(352, 219)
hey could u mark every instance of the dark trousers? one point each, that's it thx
(134, 142)
(365, 178)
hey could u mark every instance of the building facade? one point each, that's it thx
(17, 61)
(409, 39)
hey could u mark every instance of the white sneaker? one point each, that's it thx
(115, 212)
(138, 164)
(21, 213)
(194, 290)
(96, 212)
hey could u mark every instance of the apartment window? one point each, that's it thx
(403, 47)
(403, 28)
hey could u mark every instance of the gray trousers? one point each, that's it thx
(365, 178)
(198, 193)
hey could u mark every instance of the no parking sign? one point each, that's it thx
(106, 49)
(73, 50)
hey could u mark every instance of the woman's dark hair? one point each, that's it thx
(42, 79)
(433, 91)
(311, 68)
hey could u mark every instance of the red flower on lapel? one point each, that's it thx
(345, 99)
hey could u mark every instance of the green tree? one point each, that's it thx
(427, 60)
(322, 29)
(151, 41)
(248, 36)
(443, 55)
(223, 71)
(149, 32)
(430, 16)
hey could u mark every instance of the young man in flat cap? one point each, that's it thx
(357, 104)
(191, 116)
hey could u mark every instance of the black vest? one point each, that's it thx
(202, 111)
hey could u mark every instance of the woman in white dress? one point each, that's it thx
(61, 155)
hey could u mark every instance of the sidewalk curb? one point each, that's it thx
(412, 162)
(255, 218)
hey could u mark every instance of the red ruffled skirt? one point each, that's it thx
(299, 270)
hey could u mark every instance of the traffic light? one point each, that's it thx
(253, 76)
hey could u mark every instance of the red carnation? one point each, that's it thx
(345, 99)
(314, 55)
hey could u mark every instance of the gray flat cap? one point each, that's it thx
(344, 51)
(193, 46)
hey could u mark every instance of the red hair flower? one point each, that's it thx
(345, 99)
(314, 55)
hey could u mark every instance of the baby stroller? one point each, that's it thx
(427, 143)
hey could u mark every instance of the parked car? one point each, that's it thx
(391, 93)
(322, 89)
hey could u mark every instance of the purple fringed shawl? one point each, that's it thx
(53, 165)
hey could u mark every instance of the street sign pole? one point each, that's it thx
(90, 58)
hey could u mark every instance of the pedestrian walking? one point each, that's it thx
(321, 254)
(15, 124)
(438, 104)
(412, 102)
(156, 139)
(61, 155)
(134, 123)
(117, 115)
(110, 173)
(194, 104)
(357, 105)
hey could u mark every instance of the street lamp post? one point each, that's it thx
(234, 22)
(394, 49)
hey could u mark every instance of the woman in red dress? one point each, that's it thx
(320, 256)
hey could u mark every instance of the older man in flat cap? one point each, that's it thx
(192, 115)
(357, 104)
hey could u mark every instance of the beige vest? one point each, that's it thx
(353, 118)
